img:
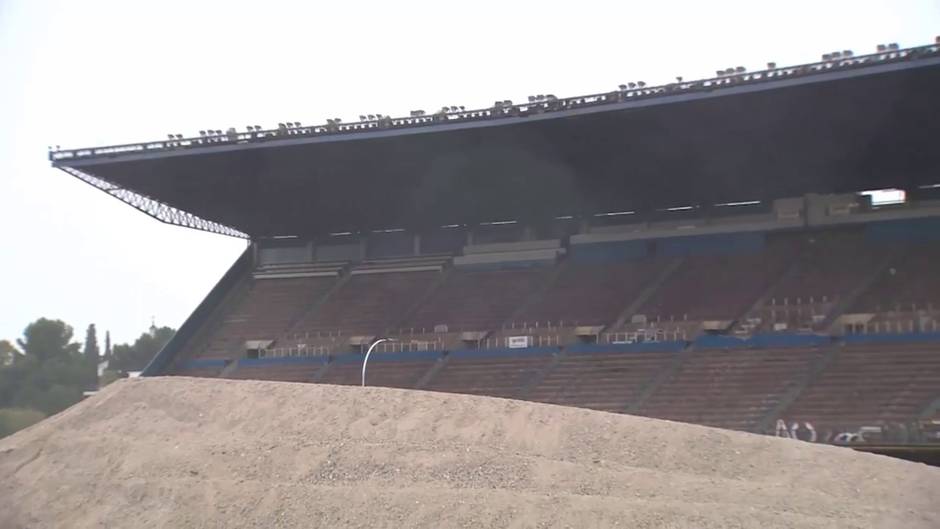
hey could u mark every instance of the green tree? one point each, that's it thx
(8, 353)
(14, 419)
(50, 375)
(92, 356)
(134, 357)
(91, 343)
(47, 339)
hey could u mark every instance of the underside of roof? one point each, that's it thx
(839, 130)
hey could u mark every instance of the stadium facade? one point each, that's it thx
(704, 251)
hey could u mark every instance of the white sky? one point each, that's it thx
(95, 72)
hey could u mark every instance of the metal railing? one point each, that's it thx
(539, 340)
(647, 336)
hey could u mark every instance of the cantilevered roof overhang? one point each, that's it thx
(838, 126)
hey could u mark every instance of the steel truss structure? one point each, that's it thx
(156, 209)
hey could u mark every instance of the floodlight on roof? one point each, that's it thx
(836, 55)
(893, 46)
(297, 124)
(847, 53)
(641, 84)
(678, 78)
(882, 47)
(170, 136)
(719, 73)
(202, 133)
(361, 117)
(462, 108)
(508, 102)
(632, 85)
(179, 136)
(258, 127)
(622, 87)
(531, 99)
(281, 126)
(771, 65)
(826, 57)
(740, 69)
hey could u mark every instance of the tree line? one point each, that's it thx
(47, 371)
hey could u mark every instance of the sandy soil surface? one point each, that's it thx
(185, 453)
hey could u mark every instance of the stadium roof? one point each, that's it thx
(841, 125)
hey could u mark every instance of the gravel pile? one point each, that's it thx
(185, 453)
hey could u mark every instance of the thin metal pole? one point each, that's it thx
(365, 361)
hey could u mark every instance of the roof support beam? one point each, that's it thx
(156, 209)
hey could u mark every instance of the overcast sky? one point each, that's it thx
(96, 72)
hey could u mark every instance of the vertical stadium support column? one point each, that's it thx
(363, 247)
(527, 232)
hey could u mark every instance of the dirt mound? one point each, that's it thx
(183, 453)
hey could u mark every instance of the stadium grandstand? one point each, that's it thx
(756, 251)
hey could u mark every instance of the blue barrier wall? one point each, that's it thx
(281, 360)
(762, 341)
(408, 356)
(503, 352)
(907, 337)
(665, 347)
(773, 340)
(204, 363)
